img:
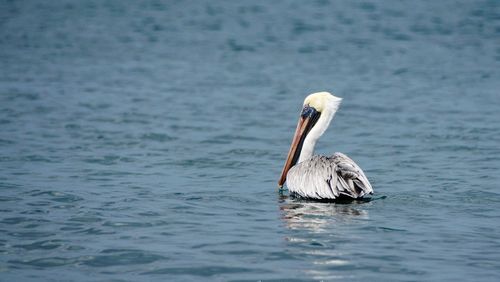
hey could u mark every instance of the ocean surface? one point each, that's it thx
(143, 140)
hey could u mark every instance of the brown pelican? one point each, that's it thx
(320, 177)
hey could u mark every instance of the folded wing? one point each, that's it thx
(328, 178)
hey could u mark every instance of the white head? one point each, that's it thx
(317, 113)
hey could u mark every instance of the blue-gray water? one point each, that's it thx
(142, 140)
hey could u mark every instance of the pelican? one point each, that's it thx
(320, 177)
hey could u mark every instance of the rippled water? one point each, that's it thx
(142, 140)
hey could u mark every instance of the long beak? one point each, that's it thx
(295, 148)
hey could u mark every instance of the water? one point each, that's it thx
(142, 140)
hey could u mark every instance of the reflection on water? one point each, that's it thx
(318, 217)
(319, 235)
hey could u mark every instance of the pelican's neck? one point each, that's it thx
(307, 150)
(318, 129)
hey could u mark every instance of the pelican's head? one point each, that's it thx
(316, 114)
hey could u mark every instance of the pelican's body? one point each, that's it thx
(320, 177)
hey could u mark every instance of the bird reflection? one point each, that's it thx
(319, 216)
(320, 235)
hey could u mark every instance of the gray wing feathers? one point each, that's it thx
(356, 178)
(328, 177)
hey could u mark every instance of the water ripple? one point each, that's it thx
(113, 257)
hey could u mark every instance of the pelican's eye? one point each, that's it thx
(308, 111)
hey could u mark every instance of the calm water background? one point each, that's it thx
(142, 140)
